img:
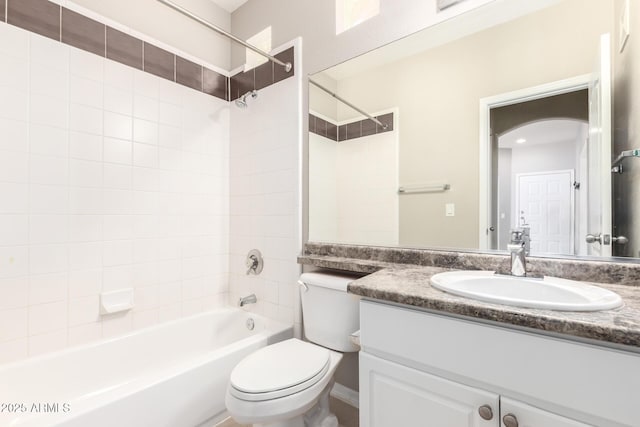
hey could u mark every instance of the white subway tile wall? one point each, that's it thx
(264, 204)
(109, 178)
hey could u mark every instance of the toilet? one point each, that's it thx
(287, 384)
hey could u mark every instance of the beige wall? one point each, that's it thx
(438, 95)
(156, 20)
(314, 21)
(626, 133)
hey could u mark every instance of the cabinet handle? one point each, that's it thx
(485, 411)
(510, 420)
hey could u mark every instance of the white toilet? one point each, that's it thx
(287, 384)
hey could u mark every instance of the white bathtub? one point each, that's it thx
(171, 375)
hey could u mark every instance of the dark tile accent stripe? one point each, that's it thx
(124, 48)
(321, 127)
(312, 123)
(215, 84)
(242, 83)
(51, 20)
(38, 16)
(357, 129)
(368, 127)
(159, 62)
(332, 131)
(386, 119)
(264, 75)
(188, 74)
(82, 32)
(279, 72)
(354, 130)
(342, 133)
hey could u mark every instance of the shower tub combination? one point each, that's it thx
(171, 375)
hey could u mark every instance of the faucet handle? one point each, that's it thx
(517, 236)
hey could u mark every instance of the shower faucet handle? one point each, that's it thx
(254, 262)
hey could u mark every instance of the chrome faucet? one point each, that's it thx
(250, 299)
(519, 248)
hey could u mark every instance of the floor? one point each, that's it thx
(347, 415)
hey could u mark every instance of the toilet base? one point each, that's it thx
(318, 416)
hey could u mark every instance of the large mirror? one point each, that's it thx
(497, 119)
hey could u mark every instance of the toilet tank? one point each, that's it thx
(329, 313)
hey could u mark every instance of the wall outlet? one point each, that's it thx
(450, 209)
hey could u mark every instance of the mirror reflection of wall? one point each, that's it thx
(353, 178)
(436, 93)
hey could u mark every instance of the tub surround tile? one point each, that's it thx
(279, 73)
(215, 84)
(410, 285)
(123, 48)
(38, 16)
(385, 119)
(188, 73)
(72, 28)
(368, 127)
(82, 32)
(342, 133)
(242, 83)
(159, 62)
(264, 75)
(312, 123)
(321, 127)
(332, 131)
(352, 130)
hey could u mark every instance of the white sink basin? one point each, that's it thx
(550, 293)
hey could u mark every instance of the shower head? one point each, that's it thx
(242, 101)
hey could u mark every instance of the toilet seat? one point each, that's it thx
(279, 370)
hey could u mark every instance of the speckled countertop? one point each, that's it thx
(410, 285)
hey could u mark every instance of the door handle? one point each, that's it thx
(621, 240)
(603, 239)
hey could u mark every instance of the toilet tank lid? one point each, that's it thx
(336, 281)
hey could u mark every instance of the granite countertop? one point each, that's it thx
(410, 285)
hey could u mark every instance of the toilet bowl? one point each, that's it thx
(277, 385)
(287, 384)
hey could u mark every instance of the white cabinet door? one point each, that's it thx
(392, 395)
(528, 416)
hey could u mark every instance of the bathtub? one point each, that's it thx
(171, 375)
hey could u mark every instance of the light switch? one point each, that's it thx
(450, 209)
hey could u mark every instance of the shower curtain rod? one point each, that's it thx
(368, 116)
(287, 65)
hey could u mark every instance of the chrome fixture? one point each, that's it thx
(242, 101)
(616, 165)
(287, 65)
(250, 299)
(518, 247)
(251, 324)
(606, 239)
(426, 188)
(345, 102)
(254, 262)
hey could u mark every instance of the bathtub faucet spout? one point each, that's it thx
(251, 299)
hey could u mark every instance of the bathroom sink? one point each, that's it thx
(550, 293)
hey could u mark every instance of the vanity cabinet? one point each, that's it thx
(419, 368)
(401, 396)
